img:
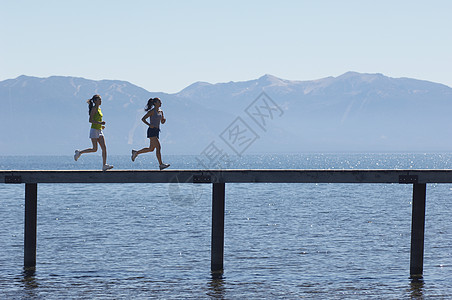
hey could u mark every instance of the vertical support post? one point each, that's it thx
(417, 231)
(217, 250)
(31, 202)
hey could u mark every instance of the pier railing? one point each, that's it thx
(218, 178)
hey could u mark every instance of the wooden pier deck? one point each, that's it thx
(218, 178)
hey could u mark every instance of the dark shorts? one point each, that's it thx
(152, 132)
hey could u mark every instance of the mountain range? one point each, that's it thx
(353, 112)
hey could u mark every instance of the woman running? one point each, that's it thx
(96, 135)
(155, 115)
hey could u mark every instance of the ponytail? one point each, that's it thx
(151, 104)
(91, 103)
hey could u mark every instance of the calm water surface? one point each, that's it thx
(291, 241)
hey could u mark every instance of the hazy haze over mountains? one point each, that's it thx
(351, 112)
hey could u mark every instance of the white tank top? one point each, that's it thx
(155, 119)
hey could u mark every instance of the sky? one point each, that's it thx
(164, 46)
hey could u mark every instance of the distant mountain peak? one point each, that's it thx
(193, 88)
(269, 77)
(352, 74)
(270, 80)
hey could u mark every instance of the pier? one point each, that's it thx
(218, 179)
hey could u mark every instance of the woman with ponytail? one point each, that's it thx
(96, 135)
(155, 115)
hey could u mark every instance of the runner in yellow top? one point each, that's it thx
(96, 135)
(98, 119)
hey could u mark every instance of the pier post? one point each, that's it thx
(31, 202)
(217, 250)
(417, 231)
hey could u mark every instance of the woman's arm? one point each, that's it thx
(147, 115)
(163, 120)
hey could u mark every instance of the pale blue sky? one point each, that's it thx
(167, 45)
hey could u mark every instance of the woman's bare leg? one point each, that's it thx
(93, 149)
(146, 150)
(101, 141)
(156, 145)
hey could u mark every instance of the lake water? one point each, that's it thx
(291, 241)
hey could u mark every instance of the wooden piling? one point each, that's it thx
(417, 230)
(31, 201)
(217, 245)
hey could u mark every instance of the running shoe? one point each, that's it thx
(164, 166)
(77, 155)
(107, 167)
(134, 154)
